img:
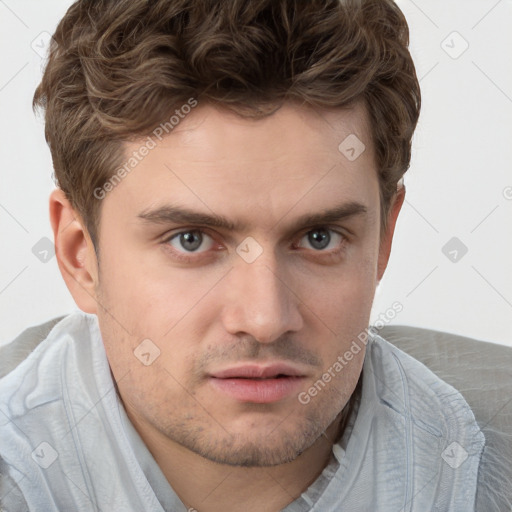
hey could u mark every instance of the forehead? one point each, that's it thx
(290, 130)
(294, 160)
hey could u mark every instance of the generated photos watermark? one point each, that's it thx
(150, 143)
(344, 359)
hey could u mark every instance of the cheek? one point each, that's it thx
(148, 295)
(343, 296)
(147, 357)
(338, 311)
(168, 306)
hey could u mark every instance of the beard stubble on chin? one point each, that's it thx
(267, 444)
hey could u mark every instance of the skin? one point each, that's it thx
(294, 303)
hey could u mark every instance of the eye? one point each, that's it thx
(320, 239)
(191, 241)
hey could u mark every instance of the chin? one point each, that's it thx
(253, 449)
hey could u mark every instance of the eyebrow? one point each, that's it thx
(170, 214)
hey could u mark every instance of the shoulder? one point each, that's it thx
(44, 398)
(411, 389)
(37, 378)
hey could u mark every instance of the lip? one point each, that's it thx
(258, 383)
(255, 371)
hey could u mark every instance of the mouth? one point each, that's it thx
(258, 383)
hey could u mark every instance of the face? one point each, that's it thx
(238, 260)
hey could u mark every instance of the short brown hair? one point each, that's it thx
(118, 68)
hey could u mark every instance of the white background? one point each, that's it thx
(459, 184)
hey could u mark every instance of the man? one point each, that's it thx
(229, 181)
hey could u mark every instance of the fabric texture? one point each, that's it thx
(66, 443)
(482, 373)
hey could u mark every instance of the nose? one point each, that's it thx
(260, 302)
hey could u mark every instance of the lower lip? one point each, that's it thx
(260, 391)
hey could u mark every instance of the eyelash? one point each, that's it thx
(195, 257)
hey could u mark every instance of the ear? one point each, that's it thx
(387, 236)
(74, 251)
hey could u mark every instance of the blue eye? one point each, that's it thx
(191, 241)
(320, 239)
(195, 241)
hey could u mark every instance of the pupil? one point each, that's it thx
(319, 238)
(191, 240)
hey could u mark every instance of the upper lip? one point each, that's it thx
(258, 371)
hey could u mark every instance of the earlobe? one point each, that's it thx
(387, 237)
(74, 251)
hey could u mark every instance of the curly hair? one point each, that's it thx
(118, 68)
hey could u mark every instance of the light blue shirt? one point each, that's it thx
(412, 442)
